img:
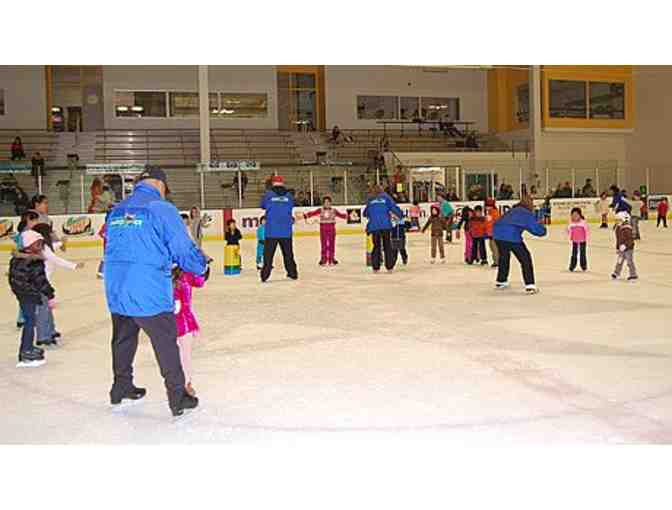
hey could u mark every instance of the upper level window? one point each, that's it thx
(567, 99)
(523, 103)
(242, 105)
(185, 104)
(440, 108)
(607, 100)
(409, 108)
(2, 101)
(140, 104)
(377, 107)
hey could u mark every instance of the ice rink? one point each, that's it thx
(428, 352)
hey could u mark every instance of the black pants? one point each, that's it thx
(478, 249)
(29, 311)
(162, 332)
(663, 219)
(521, 253)
(576, 249)
(382, 242)
(399, 248)
(270, 245)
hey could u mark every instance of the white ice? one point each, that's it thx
(428, 352)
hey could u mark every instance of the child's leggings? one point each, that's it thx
(328, 242)
(468, 243)
(184, 343)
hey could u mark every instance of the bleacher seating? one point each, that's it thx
(33, 141)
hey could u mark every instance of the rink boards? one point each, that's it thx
(82, 229)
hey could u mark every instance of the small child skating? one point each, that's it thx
(261, 238)
(232, 260)
(478, 232)
(491, 216)
(625, 246)
(29, 283)
(187, 325)
(414, 213)
(579, 235)
(663, 208)
(465, 218)
(438, 225)
(399, 229)
(602, 207)
(328, 216)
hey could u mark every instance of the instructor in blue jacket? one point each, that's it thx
(508, 234)
(377, 210)
(278, 204)
(145, 238)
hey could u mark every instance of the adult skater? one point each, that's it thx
(508, 234)
(377, 210)
(145, 237)
(278, 204)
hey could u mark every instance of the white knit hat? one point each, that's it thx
(623, 216)
(29, 237)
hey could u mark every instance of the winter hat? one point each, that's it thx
(277, 180)
(490, 202)
(623, 217)
(30, 237)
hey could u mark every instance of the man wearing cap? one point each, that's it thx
(278, 204)
(145, 238)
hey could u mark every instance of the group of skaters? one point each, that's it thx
(153, 261)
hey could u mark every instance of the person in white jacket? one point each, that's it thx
(602, 207)
(45, 325)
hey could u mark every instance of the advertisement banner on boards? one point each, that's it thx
(15, 167)
(228, 166)
(114, 168)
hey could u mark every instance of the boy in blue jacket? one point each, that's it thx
(399, 228)
(278, 204)
(377, 210)
(508, 234)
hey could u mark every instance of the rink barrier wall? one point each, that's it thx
(81, 230)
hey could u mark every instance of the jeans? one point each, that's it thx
(270, 245)
(521, 253)
(576, 249)
(28, 333)
(382, 242)
(634, 221)
(162, 332)
(662, 218)
(399, 248)
(478, 249)
(626, 256)
(44, 321)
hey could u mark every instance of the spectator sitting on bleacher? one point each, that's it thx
(17, 149)
(471, 142)
(335, 135)
(379, 161)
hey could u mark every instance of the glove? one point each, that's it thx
(622, 248)
(51, 303)
(178, 306)
(206, 275)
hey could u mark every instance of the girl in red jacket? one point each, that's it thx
(328, 216)
(663, 207)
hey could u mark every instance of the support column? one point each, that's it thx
(536, 149)
(204, 113)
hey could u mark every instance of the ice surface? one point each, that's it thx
(428, 352)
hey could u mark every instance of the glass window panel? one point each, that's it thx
(567, 99)
(140, 104)
(607, 100)
(235, 105)
(523, 103)
(377, 107)
(185, 104)
(2, 101)
(440, 108)
(408, 107)
(303, 81)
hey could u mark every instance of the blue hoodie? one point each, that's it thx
(145, 237)
(278, 204)
(619, 204)
(378, 211)
(511, 226)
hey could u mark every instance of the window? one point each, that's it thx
(243, 106)
(377, 107)
(2, 101)
(607, 100)
(140, 104)
(523, 103)
(185, 104)
(409, 108)
(567, 99)
(440, 108)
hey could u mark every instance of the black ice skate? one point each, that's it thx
(132, 394)
(31, 358)
(186, 402)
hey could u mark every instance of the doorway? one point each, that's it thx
(301, 98)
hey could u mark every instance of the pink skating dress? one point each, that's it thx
(185, 318)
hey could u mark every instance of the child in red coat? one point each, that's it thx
(663, 207)
(478, 229)
(328, 216)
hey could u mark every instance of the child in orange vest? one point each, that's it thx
(491, 216)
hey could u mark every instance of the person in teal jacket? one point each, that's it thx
(146, 238)
(261, 239)
(508, 234)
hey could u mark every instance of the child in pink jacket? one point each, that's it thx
(187, 326)
(328, 216)
(579, 235)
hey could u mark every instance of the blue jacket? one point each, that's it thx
(378, 211)
(619, 204)
(511, 226)
(145, 237)
(278, 204)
